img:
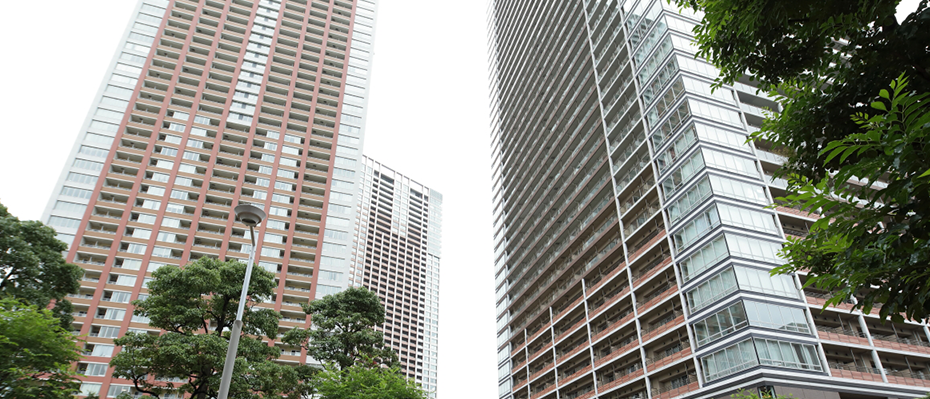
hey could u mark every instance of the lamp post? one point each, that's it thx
(250, 215)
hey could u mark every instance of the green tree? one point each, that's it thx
(361, 382)
(35, 353)
(196, 306)
(343, 330)
(32, 269)
(826, 61)
(873, 237)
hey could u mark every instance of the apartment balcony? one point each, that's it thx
(518, 360)
(656, 292)
(852, 363)
(616, 345)
(659, 321)
(100, 230)
(222, 189)
(682, 380)
(577, 388)
(91, 281)
(645, 239)
(90, 259)
(617, 316)
(539, 349)
(209, 246)
(517, 346)
(540, 366)
(668, 350)
(573, 369)
(656, 260)
(819, 299)
(299, 262)
(601, 275)
(572, 322)
(909, 378)
(852, 371)
(838, 334)
(572, 345)
(796, 231)
(906, 370)
(127, 159)
(132, 147)
(221, 217)
(636, 390)
(95, 246)
(612, 291)
(899, 336)
(520, 380)
(83, 297)
(538, 329)
(641, 215)
(620, 372)
(543, 388)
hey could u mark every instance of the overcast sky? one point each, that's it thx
(428, 119)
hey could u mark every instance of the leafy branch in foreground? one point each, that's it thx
(875, 241)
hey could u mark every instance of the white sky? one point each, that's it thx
(428, 120)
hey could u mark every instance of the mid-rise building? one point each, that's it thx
(206, 104)
(397, 254)
(634, 229)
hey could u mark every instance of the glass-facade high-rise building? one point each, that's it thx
(397, 252)
(634, 229)
(206, 104)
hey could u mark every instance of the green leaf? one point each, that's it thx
(34, 346)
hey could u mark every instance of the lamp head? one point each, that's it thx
(250, 215)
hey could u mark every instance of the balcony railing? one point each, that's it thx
(853, 367)
(664, 324)
(920, 375)
(906, 341)
(676, 386)
(840, 330)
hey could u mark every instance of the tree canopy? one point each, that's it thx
(343, 330)
(828, 64)
(360, 382)
(197, 306)
(35, 353)
(32, 268)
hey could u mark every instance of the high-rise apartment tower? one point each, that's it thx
(396, 255)
(206, 104)
(633, 231)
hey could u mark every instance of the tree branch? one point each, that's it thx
(921, 71)
(7, 277)
(135, 382)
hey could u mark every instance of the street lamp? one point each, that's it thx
(250, 215)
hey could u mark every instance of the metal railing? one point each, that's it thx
(677, 383)
(853, 367)
(906, 341)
